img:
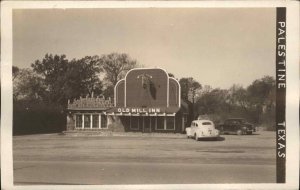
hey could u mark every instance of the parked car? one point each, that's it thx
(237, 126)
(202, 129)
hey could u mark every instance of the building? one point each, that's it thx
(146, 100)
(88, 113)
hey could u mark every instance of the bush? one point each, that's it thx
(36, 117)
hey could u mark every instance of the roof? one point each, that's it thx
(90, 103)
(202, 120)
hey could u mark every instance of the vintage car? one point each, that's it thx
(237, 126)
(202, 129)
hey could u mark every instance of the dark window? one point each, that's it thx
(95, 121)
(103, 121)
(140, 122)
(87, 121)
(206, 123)
(160, 123)
(170, 123)
(78, 121)
(134, 122)
(153, 122)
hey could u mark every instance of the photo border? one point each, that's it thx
(292, 89)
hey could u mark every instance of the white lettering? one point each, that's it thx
(282, 24)
(281, 124)
(281, 155)
(280, 146)
(281, 85)
(282, 63)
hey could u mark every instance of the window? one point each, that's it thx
(206, 123)
(134, 123)
(78, 123)
(160, 123)
(196, 124)
(170, 123)
(95, 121)
(87, 121)
(103, 121)
(153, 122)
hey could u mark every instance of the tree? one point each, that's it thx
(261, 93)
(115, 66)
(27, 85)
(68, 79)
(260, 89)
(82, 78)
(213, 102)
(188, 88)
(238, 96)
(15, 71)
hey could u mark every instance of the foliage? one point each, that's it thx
(68, 79)
(256, 103)
(188, 88)
(27, 85)
(115, 66)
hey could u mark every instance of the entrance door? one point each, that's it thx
(146, 124)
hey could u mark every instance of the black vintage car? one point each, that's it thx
(237, 126)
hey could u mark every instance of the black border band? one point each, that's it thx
(280, 95)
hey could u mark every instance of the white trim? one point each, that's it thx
(82, 124)
(179, 94)
(115, 91)
(99, 121)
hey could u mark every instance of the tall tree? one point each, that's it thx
(115, 66)
(188, 88)
(27, 85)
(260, 89)
(68, 79)
(238, 96)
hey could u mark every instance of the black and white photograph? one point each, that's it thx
(161, 96)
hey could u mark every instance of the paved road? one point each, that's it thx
(56, 159)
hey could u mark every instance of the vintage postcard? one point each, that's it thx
(149, 95)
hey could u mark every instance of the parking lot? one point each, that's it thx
(143, 159)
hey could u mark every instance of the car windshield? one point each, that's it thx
(206, 123)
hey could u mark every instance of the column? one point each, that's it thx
(100, 121)
(91, 121)
(165, 122)
(82, 126)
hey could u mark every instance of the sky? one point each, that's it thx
(216, 46)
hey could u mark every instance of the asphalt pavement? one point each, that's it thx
(98, 160)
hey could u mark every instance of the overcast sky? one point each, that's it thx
(217, 47)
